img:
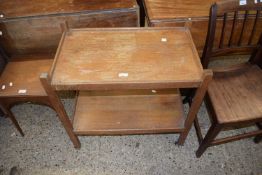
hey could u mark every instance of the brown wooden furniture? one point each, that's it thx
(258, 54)
(234, 97)
(141, 12)
(3, 60)
(20, 82)
(195, 14)
(128, 79)
(34, 27)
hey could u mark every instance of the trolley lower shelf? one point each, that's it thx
(128, 112)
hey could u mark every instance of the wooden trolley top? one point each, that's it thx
(126, 58)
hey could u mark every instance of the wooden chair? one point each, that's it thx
(234, 98)
(20, 83)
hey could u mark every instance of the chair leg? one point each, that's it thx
(210, 136)
(197, 126)
(258, 138)
(198, 130)
(13, 119)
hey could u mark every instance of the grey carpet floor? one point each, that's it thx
(46, 149)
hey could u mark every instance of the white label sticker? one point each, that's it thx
(163, 39)
(242, 2)
(153, 91)
(123, 74)
(22, 91)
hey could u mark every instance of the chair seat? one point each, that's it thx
(23, 73)
(237, 96)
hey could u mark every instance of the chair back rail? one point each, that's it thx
(235, 15)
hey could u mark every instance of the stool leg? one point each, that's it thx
(13, 119)
(210, 136)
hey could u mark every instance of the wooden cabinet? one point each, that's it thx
(195, 15)
(33, 26)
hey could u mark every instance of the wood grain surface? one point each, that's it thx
(34, 27)
(150, 55)
(161, 9)
(24, 75)
(236, 96)
(29, 8)
(101, 114)
(195, 14)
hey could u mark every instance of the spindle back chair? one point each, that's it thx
(234, 98)
(234, 16)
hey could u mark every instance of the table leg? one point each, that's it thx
(59, 108)
(197, 100)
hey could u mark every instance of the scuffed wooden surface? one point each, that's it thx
(99, 55)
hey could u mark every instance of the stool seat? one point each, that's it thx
(21, 76)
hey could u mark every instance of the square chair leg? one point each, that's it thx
(210, 136)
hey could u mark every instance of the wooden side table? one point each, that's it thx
(128, 79)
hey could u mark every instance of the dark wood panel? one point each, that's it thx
(198, 28)
(3, 59)
(47, 7)
(2, 64)
(41, 34)
(162, 9)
